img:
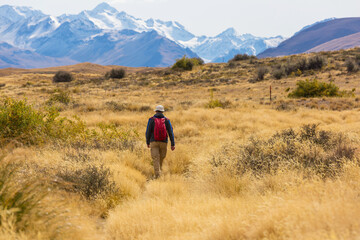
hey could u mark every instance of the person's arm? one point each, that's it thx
(169, 129)
(148, 131)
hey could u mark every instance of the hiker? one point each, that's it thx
(157, 132)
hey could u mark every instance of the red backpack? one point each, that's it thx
(160, 133)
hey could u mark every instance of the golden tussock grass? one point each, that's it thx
(204, 192)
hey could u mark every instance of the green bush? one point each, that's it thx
(21, 122)
(116, 73)
(314, 88)
(63, 76)
(187, 63)
(241, 57)
(198, 61)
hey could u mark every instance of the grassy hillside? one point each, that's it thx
(75, 164)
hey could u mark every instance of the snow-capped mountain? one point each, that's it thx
(229, 43)
(210, 48)
(90, 36)
(73, 35)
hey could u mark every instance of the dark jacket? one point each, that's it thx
(151, 126)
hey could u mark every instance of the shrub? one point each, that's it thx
(279, 73)
(310, 150)
(183, 64)
(315, 63)
(290, 68)
(187, 63)
(241, 57)
(19, 121)
(59, 96)
(301, 64)
(214, 103)
(63, 76)
(314, 88)
(351, 66)
(261, 72)
(22, 123)
(198, 61)
(90, 181)
(304, 64)
(116, 73)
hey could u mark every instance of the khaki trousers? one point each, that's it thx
(158, 154)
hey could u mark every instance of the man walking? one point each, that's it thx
(157, 132)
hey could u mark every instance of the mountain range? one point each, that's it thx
(106, 36)
(32, 39)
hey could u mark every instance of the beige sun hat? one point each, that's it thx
(159, 108)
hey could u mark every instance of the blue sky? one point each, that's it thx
(210, 17)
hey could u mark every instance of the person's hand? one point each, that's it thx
(148, 146)
(172, 148)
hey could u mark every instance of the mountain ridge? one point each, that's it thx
(314, 36)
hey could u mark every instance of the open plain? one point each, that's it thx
(244, 167)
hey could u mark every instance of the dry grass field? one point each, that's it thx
(244, 167)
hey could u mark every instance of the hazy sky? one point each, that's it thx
(210, 17)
